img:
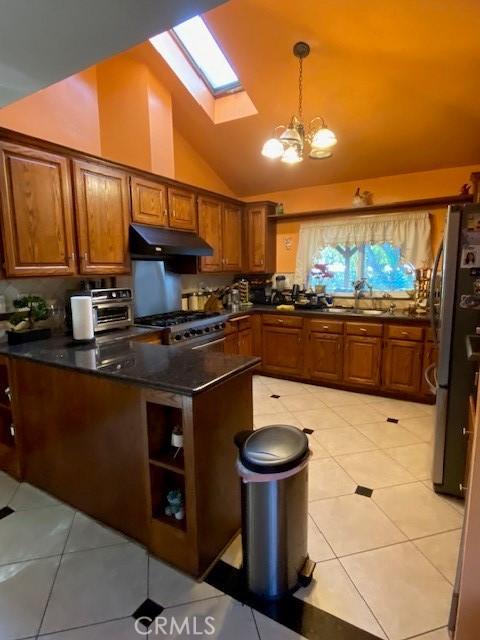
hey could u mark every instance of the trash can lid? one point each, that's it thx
(274, 449)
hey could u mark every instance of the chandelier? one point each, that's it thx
(289, 143)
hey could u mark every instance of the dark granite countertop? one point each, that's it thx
(347, 313)
(169, 368)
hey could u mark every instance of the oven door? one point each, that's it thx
(215, 343)
(111, 315)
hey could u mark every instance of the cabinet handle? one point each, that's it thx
(174, 213)
(462, 488)
(12, 430)
(325, 327)
(72, 257)
(85, 257)
(363, 330)
(466, 432)
(8, 393)
(279, 321)
(261, 262)
(404, 333)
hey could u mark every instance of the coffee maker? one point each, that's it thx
(259, 286)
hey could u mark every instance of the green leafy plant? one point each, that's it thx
(31, 309)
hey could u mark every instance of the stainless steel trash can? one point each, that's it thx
(273, 465)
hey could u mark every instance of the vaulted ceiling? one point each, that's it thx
(397, 82)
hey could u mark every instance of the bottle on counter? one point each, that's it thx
(193, 301)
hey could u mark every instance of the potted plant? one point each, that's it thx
(319, 273)
(29, 311)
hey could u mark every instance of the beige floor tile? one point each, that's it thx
(320, 419)
(416, 458)
(391, 408)
(286, 387)
(387, 434)
(348, 440)
(359, 414)
(405, 592)
(327, 480)
(266, 404)
(457, 503)
(301, 402)
(374, 469)
(422, 427)
(416, 510)
(333, 591)
(354, 523)
(263, 379)
(283, 417)
(442, 551)
(316, 448)
(337, 397)
(318, 548)
(438, 634)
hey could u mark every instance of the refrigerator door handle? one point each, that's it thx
(433, 281)
(426, 374)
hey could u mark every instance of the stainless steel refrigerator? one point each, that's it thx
(456, 313)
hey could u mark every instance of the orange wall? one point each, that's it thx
(66, 113)
(409, 186)
(191, 167)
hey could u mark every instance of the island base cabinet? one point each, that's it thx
(402, 366)
(362, 356)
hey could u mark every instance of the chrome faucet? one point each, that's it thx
(359, 287)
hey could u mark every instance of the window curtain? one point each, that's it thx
(410, 232)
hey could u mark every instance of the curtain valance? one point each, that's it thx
(409, 231)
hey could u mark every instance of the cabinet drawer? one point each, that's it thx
(404, 332)
(364, 329)
(230, 327)
(326, 326)
(283, 321)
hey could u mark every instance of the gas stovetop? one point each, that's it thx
(184, 325)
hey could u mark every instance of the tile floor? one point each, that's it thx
(386, 561)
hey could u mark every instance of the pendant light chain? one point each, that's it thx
(300, 90)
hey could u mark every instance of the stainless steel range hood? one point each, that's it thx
(155, 243)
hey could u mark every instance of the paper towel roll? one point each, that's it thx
(82, 317)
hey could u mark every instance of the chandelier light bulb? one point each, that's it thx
(291, 155)
(272, 149)
(324, 139)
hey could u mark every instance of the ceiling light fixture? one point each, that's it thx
(289, 142)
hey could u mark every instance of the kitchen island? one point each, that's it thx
(93, 426)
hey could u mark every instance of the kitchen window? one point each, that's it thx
(385, 249)
(381, 263)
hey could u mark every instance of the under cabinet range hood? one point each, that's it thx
(156, 243)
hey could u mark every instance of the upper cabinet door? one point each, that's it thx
(210, 229)
(182, 210)
(261, 239)
(232, 238)
(102, 204)
(37, 220)
(149, 202)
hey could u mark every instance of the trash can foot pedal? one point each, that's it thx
(306, 574)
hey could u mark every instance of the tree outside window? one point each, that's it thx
(380, 263)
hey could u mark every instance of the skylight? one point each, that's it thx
(204, 53)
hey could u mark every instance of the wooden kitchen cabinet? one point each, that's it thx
(182, 209)
(220, 225)
(210, 229)
(239, 336)
(324, 356)
(282, 348)
(232, 238)
(402, 365)
(37, 212)
(149, 202)
(362, 358)
(103, 217)
(261, 239)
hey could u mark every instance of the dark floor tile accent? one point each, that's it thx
(6, 511)
(293, 613)
(274, 396)
(148, 611)
(309, 431)
(394, 420)
(364, 491)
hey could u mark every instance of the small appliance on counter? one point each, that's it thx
(111, 308)
(259, 287)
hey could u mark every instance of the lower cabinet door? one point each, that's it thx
(362, 357)
(324, 356)
(402, 366)
(231, 343)
(245, 342)
(282, 350)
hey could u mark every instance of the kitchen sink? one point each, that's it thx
(370, 312)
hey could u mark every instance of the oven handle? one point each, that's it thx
(211, 343)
